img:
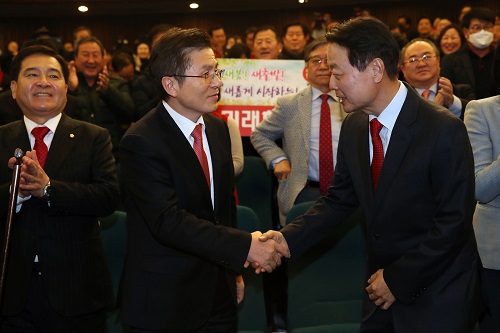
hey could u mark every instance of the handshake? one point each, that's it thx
(266, 251)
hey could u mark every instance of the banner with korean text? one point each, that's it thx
(251, 88)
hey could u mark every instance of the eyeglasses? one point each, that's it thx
(209, 77)
(477, 27)
(317, 61)
(425, 58)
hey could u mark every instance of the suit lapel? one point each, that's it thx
(63, 143)
(215, 146)
(18, 139)
(364, 155)
(184, 152)
(401, 138)
(304, 118)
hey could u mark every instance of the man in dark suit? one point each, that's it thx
(418, 199)
(57, 277)
(419, 62)
(183, 254)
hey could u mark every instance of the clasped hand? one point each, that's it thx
(266, 251)
(379, 292)
(33, 178)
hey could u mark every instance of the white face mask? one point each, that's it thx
(481, 39)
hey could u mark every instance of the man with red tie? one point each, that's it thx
(408, 164)
(184, 253)
(57, 277)
(309, 124)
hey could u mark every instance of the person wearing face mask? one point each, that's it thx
(473, 64)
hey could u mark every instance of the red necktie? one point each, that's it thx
(325, 146)
(425, 94)
(200, 153)
(378, 151)
(40, 146)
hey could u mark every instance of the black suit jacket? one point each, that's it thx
(457, 67)
(65, 234)
(178, 243)
(419, 221)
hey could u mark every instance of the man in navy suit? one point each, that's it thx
(57, 277)
(414, 180)
(183, 255)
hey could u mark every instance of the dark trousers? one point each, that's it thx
(379, 322)
(490, 322)
(275, 284)
(223, 317)
(39, 316)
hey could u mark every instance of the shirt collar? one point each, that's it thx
(51, 123)
(390, 114)
(185, 124)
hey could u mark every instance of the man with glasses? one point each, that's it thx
(183, 254)
(473, 64)
(419, 62)
(296, 120)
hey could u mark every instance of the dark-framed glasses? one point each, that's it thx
(415, 60)
(209, 77)
(478, 27)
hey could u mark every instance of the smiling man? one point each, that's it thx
(103, 98)
(57, 279)
(408, 164)
(184, 254)
(419, 62)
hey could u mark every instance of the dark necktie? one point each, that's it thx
(426, 93)
(40, 146)
(325, 146)
(200, 153)
(378, 151)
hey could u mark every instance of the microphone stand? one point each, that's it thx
(16, 175)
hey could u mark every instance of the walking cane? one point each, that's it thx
(16, 174)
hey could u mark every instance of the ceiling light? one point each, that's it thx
(194, 5)
(83, 9)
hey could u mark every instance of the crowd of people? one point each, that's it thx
(169, 160)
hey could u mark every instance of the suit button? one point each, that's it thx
(376, 236)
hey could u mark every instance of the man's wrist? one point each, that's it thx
(47, 191)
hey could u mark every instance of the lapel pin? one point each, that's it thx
(72, 136)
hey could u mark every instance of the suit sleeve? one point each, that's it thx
(162, 193)
(330, 211)
(487, 166)
(267, 132)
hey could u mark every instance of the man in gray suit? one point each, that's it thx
(482, 119)
(296, 119)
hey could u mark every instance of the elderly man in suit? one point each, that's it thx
(296, 120)
(183, 255)
(57, 277)
(408, 163)
(482, 119)
(419, 62)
